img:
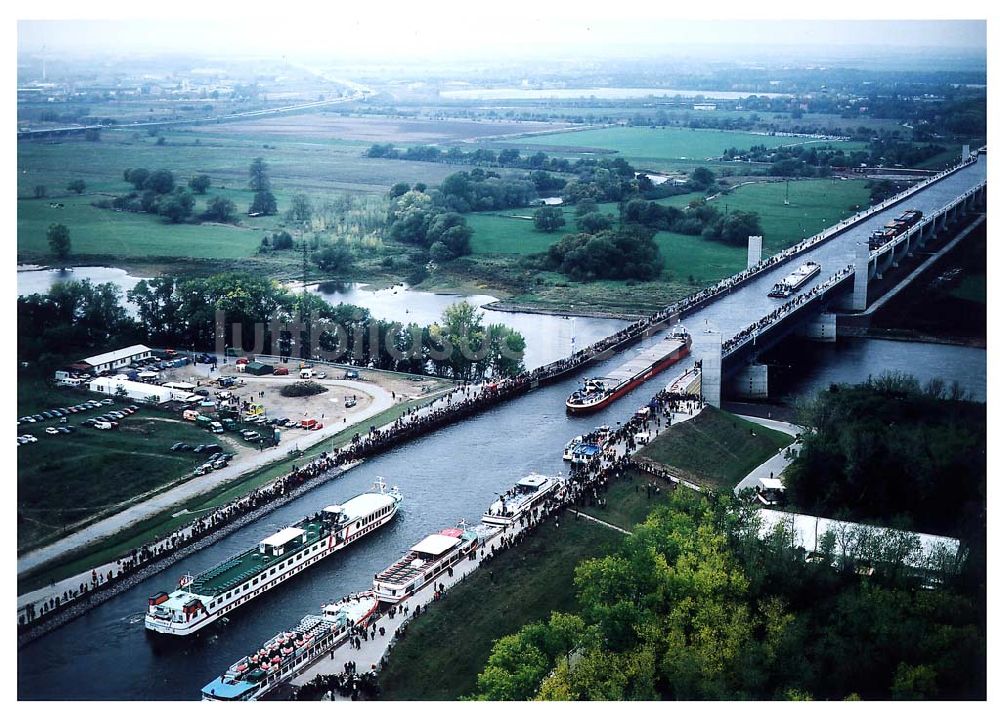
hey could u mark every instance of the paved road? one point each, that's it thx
(182, 493)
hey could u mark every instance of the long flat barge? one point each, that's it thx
(795, 281)
(600, 392)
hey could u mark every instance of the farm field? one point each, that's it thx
(315, 167)
(657, 147)
(813, 205)
(369, 129)
(319, 169)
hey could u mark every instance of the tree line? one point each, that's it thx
(78, 318)
(700, 604)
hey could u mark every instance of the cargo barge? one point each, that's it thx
(599, 393)
(795, 281)
(895, 228)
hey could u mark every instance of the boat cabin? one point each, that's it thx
(288, 539)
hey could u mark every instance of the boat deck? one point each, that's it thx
(245, 566)
(644, 360)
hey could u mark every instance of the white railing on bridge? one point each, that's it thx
(749, 334)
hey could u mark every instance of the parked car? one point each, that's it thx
(199, 448)
(65, 429)
(51, 430)
(281, 371)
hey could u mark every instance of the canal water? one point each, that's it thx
(450, 475)
(800, 369)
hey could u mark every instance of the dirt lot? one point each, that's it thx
(378, 129)
(373, 391)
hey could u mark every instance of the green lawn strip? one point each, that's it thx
(715, 449)
(139, 533)
(645, 143)
(441, 653)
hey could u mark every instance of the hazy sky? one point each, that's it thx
(416, 30)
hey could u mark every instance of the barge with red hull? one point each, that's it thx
(601, 392)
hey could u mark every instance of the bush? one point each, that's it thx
(302, 388)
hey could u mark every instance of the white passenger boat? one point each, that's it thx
(200, 600)
(529, 493)
(290, 652)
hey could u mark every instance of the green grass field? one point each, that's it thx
(127, 234)
(320, 169)
(653, 147)
(715, 449)
(813, 205)
(530, 581)
(62, 479)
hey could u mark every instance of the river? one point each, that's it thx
(548, 337)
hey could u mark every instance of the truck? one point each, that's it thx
(190, 415)
(203, 421)
(229, 424)
(216, 427)
(306, 374)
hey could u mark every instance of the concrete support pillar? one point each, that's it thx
(710, 348)
(755, 248)
(859, 301)
(966, 154)
(751, 382)
(821, 329)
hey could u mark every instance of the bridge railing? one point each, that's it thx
(749, 334)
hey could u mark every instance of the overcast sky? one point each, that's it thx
(417, 31)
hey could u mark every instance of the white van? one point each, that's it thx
(306, 374)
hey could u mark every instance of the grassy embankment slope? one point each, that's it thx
(715, 449)
(528, 582)
(536, 577)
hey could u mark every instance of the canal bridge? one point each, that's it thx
(733, 329)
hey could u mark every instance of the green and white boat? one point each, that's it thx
(200, 600)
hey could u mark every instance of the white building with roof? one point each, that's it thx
(863, 542)
(109, 361)
(138, 391)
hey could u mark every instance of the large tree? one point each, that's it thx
(260, 180)
(548, 219)
(219, 209)
(59, 241)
